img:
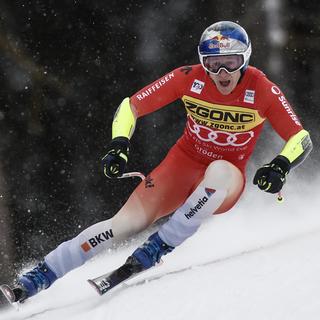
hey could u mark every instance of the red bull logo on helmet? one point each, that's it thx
(220, 37)
(219, 41)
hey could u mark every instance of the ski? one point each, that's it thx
(14, 295)
(108, 281)
(8, 293)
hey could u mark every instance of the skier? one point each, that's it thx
(227, 102)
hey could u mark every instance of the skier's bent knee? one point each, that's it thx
(221, 174)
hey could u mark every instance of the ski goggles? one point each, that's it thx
(230, 63)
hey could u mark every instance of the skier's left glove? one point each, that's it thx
(115, 161)
(272, 176)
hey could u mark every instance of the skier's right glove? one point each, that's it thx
(114, 162)
(272, 176)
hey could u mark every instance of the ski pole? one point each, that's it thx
(280, 197)
(140, 175)
(132, 175)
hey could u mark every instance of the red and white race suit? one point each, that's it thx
(218, 127)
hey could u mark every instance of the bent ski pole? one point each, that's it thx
(132, 175)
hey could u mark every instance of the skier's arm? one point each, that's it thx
(272, 176)
(150, 98)
(297, 148)
(124, 120)
(287, 124)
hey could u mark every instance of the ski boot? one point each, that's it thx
(30, 283)
(151, 251)
(142, 259)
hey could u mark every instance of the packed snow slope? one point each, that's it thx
(259, 261)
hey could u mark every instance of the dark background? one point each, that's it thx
(66, 65)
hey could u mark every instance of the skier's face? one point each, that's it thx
(225, 82)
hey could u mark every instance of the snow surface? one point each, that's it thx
(259, 261)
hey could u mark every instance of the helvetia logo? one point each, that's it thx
(200, 204)
(196, 208)
(100, 238)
